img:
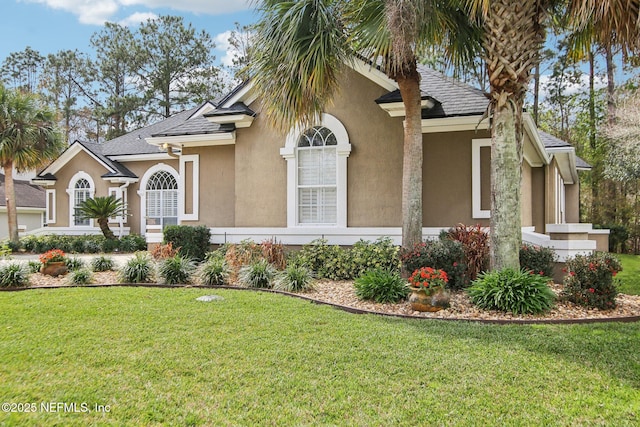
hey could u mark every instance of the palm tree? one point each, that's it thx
(28, 139)
(101, 209)
(514, 31)
(302, 46)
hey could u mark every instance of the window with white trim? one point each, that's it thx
(162, 199)
(317, 182)
(81, 192)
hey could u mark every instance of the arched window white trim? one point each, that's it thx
(290, 153)
(81, 187)
(142, 192)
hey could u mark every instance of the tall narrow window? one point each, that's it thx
(317, 182)
(162, 199)
(81, 192)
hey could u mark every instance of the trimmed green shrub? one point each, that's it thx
(82, 276)
(132, 243)
(259, 274)
(109, 245)
(294, 278)
(446, 254)
(538, 259)
(518, 292)
(214, 271)
(176, 270)
(192, 241)
(381, 254)
(138, 269)
(13, 275)
(381, 286)
(102, 263)
(74, 263)
(590, 280)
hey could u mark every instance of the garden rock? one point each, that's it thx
(209, 298)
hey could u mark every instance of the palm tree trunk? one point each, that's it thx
(10, 199)
(409, 84)
(506, 176)
(104, 227)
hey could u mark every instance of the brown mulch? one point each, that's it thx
(342, 293)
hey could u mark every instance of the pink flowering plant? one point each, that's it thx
(54, 255)
(590, 280)
(429, 279)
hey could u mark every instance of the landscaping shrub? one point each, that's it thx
(294, 278)
(214, 271)
(177, 269)
(381, 254)
(518, 292)
(82, 276)
(259, 274)
(138, 269)
(538, 259)
(381, 286)
(132, 243)
(162, 252)
(13, 275)
(110, 245)
(92, 246)
(92, 243)
(443, 254)
(33, 266)
(475, 244)
(274, 253)
(239, 255)
(74, 263)
(102, 263)
(590, 280)
(192, 242)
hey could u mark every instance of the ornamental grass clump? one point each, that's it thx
(176, 270)
(381, 286)
(259, 274)
(14, 276)
(294, 278)
(138, 269)
(509, 290)
(214, 271)
(102, 263)
(590, 280)
(81, 276)
(74, 263)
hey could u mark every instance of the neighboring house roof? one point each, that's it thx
(27, 194)
(551, 142)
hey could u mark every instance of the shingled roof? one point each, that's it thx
(27, 194)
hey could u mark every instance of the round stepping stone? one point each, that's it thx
(208, 298)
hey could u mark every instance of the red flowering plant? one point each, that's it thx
(54, 255)
(428, 278)
(590, 280)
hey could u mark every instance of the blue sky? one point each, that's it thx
(49, 26)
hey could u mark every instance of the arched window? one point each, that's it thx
(161, 195)
(317, 174)
(81, 192)
(317, 182)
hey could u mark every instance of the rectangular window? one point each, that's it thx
(317, 185)
(81, 196)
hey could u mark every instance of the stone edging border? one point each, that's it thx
(349, 309)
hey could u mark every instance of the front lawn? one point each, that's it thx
(159, 357)
(630, 274)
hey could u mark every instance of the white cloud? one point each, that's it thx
(137, 19)
(580, 87)
(222, 44)
(97, 12)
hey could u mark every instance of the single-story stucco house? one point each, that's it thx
(221, 165)
(30, 205)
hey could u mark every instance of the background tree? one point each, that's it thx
(303, 46)
(23, 70)
(175, 66)
(101, 209)
(28, 139)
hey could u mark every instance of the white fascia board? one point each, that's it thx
(205, 108)
(246, 95)
(69, 154)
(121, 180)
(396, 109)
(43, 182)
(532, 131)
(24, 210)
(566, 158)
(203, 140)
(373, 73)
(454, 124)
(140, 157)
(240, 120)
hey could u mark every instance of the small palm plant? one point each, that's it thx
(101, 209)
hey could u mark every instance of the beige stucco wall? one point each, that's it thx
(82, 162)
(538, 199)
(572, 202)
(216, 185)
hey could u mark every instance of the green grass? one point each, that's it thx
(159, 357)
(630, 274)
